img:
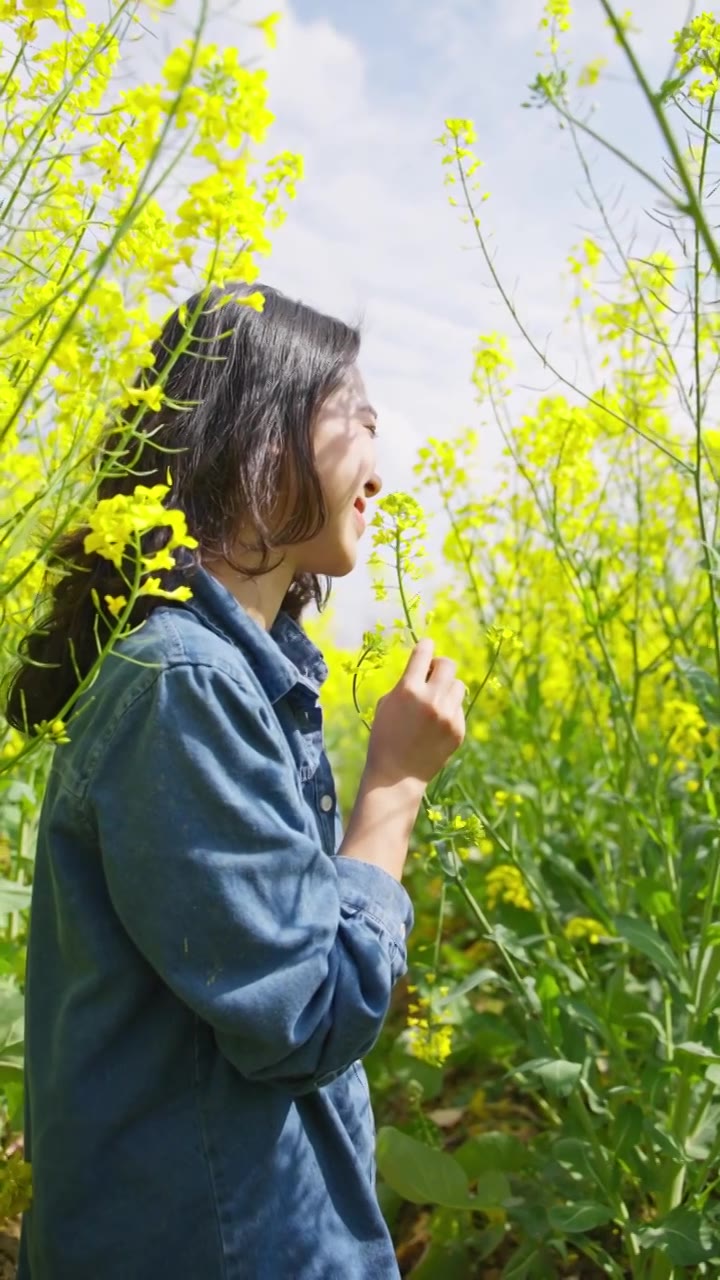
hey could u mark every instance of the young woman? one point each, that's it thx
(210, 956)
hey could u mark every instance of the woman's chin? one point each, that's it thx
(333, 564)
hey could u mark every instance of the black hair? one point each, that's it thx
(253, 381)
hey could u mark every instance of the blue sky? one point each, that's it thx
(361, 88)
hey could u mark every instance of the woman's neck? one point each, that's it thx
(261, 597)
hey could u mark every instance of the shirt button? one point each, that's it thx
(326, 804)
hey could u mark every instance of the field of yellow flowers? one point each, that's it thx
(547, 1086)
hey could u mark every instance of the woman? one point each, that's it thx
(209, 955)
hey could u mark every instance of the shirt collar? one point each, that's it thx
(282, 658)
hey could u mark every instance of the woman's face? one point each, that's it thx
(345, 459)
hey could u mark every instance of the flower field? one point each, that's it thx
(547, 1085)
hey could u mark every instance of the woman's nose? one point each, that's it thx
(373, 486)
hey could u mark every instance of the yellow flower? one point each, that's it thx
(557, 11)
(432, 1046)
(698, 48)
(55, 730)
(151, 396)
(267, 27)
(117, 522)
(430, 1037)
(584, 927)
(590, 73)
(684, 724)
(154, 587)
(162, 559)
(505, 884)
(492, 361)
(115, 604)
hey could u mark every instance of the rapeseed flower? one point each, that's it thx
(584, 927)
(505, 883)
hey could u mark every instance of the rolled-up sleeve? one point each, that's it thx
(215, 868)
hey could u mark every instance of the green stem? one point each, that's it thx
(693, 206)
(441, 918)
(542, 355)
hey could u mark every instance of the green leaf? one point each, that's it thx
(576, 1153)
(489, 1151)
(627, 1129)
(13, 896)
(491, 1190)
(704, 687)
(643, 938)
(442, 1262)
(487, 1242)
(480, 978)
(684, 1235)
(404, 1068)
(423, 1175)
(557, 1074)
(559, 865)
(12, 1015)
(15, 792)
(12, 1060)
(516, 946)
(697, 835)
(581, 1013)
(697, 1050)
(584, 1215)
(518, 1266)
(702, 1140)
(666, 1143)
(668, 89)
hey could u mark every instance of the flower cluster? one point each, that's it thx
(491, 363)
(458, 140)
(584, 927)
(505, 883)
(698, 49)
(373, 653)
(399, 522)
(54, 730)
(684, 724)
(430, 1037)
(555, 20)
(116, 526)
(557, 11)
(442, 463)
(464, 834)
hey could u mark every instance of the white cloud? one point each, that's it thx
(371, 230)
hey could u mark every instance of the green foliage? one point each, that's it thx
(421, 1174)
(565, 963)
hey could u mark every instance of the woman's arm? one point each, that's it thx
(215, 868)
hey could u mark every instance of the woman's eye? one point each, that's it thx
(371, 428)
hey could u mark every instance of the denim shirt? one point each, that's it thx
(204, 972)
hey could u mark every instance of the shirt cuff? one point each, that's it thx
(366, 887)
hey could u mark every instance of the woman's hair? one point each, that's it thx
(253, 381)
